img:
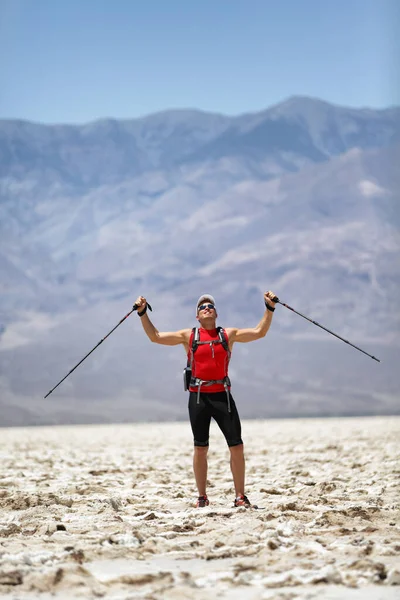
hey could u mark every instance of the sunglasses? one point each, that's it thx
(203, 306)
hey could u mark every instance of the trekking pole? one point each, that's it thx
(276, 300)
(135, 307)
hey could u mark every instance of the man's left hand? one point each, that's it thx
(268, 296)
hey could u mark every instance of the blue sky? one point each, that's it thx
(74, 61)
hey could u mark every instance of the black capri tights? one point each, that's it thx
(214, 405)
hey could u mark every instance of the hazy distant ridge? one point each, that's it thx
(302, 198)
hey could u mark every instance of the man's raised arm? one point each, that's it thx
(251, 334)
(172, 338)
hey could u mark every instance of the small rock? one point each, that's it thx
(115, 503)
(368, 548)
(327, 486)
(393, 577)
(11, 577)
(58, 576)
(272, 491)
(48, 529)
(327, 574)
(9, 529)
(150, 516)
(273, 544)
(288, 506)
(78, 556)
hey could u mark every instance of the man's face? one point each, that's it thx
(206, 310)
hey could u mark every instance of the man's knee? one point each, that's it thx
(200, 450)
(235, 447)
(198, 444)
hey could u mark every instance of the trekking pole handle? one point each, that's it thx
(135, 307)
(275, 299)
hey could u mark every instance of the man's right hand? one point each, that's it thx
(269, 299)
(140, 302)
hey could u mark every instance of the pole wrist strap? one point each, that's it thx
(140, 314)
(269, 307)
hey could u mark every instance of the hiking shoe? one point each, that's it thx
(202, 501)
(242, 501)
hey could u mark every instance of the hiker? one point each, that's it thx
(208, 349)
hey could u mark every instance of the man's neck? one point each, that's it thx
(209, 326)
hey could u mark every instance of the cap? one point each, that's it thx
(204, 297)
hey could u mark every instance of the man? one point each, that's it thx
(209, 385)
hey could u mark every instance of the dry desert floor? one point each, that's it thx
(107, 512)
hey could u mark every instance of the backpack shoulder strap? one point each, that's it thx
(192, 346)
(224, 338)
(194, 339)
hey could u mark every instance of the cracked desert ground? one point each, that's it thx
(107, 512)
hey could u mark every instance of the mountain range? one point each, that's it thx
(301, 198)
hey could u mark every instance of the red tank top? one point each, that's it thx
(210, 361)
